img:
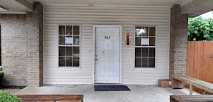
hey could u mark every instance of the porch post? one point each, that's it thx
(38, 14)
(178, 41)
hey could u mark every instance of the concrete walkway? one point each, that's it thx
(137, 93)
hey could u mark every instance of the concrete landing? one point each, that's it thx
(137, 94)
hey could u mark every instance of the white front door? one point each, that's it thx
(107, 54)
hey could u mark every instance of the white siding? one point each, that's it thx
(88, 14)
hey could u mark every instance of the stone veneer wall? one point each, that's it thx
(178, 41)
(21, 37)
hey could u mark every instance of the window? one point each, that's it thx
(69, 45)
(145, 47)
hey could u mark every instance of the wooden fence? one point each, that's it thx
(200, 60)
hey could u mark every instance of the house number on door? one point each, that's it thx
(107, 37)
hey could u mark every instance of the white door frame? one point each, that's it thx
(120, 50)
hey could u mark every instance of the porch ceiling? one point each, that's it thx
(197, 7)
(15, 6)
(191, 7)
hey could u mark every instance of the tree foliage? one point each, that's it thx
(200, 29)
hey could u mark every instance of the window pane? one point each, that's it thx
(68, 51)
(138, 41)
(144, 52)
(68, 30)
(61, 30)
(69, 40)
(145, 41)
(138, 62)
(151, 62)
(61, 51)
(76, 40)
(152, 31)
(144, 31)
(61, 40)
(76, 50)
(76, 61)
(137, 31)
(151, 52)
(61, 61)
(138, 52)
(141, 31)
(144, 62)
(76, 30)
(152, 41)
(69, 61)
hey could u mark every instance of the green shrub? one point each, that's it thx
(5, 97)
(200, 29)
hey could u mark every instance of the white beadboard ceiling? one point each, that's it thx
(14, 6)
(189, 6)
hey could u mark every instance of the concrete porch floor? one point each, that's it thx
(137, 94)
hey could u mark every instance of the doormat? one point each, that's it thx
(111, 88)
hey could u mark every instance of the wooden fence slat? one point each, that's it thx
(200, 60)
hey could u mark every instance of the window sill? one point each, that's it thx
(69, 67)
(144, 67)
